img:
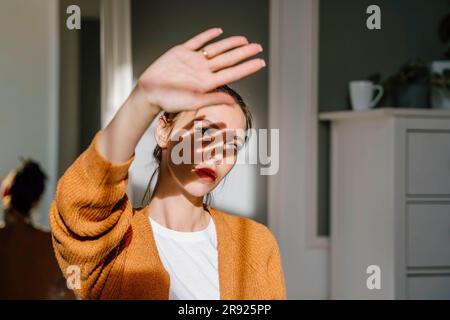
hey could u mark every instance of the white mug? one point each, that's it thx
(361, 93)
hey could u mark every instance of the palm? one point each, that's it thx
(182, 78)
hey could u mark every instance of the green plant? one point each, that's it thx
(413, 72)
(410, 80)
(441, 80)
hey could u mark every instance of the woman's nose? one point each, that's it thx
(213, 153)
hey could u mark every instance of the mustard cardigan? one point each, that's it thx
(106, 248)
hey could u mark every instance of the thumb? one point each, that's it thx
(214, 98)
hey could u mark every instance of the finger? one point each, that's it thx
(233, 57)
(214, 98)
(224, 45)
(240, 71)
(201, 39)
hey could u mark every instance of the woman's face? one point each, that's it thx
(203, 146)
(5, 186)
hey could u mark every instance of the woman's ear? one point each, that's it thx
(162, 131)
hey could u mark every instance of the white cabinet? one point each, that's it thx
(428, 234)
(390, 203)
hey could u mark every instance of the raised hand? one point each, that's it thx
(183, 77)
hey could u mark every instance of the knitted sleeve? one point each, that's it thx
(89, 218)
(275, 272)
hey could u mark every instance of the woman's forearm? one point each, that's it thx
(121, 136)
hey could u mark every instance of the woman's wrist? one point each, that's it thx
(127, 127)
(143, 104)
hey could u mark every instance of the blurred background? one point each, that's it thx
(360, 94)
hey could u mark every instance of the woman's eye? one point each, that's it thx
(203, 132)
(232, 146)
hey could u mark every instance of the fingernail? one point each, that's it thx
(220, 30)
(260, 48)
(263, 63)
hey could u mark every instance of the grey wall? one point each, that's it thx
(157, 26)
(349, 51)
(89, 93)
(69, 100)
(76, 123)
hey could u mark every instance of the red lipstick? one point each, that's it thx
(206, 173)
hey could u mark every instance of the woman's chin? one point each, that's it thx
(199, 189)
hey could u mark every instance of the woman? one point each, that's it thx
(176, 247)
(28, 269)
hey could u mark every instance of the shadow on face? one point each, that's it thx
(201, 149)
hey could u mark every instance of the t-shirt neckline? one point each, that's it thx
(200, 235)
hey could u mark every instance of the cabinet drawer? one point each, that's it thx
(428, 234)
(428, 287)
(428, 162)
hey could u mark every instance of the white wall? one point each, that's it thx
(29, 88)
(293, 102)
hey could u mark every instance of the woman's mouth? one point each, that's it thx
(205, 173)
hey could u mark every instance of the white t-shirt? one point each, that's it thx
(191, 260)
